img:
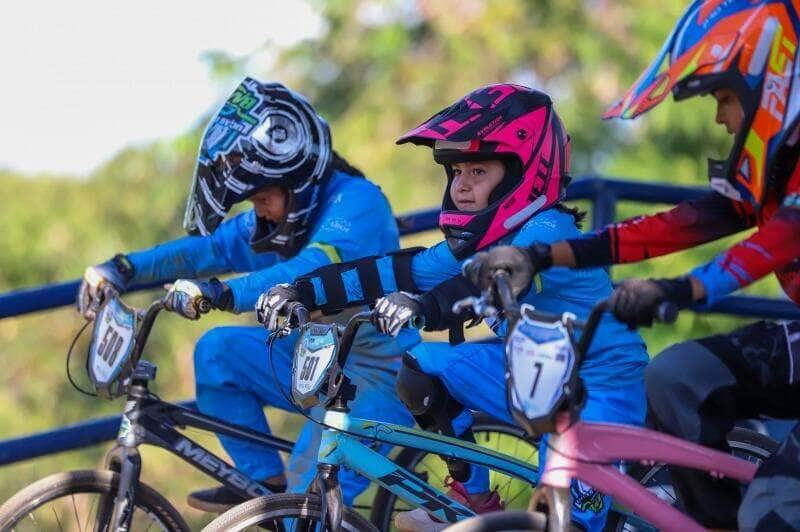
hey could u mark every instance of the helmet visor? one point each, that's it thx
(214, 188)
(710, 55)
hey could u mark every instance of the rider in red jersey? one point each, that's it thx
(745, 54)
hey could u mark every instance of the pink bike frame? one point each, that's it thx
(585, 451)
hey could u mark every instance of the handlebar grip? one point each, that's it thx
(416, 322)
(667, 312)
(203, 305)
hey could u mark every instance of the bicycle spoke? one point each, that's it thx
(55, 514)
(91, 509)
(75, 509)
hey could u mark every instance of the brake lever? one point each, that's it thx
(285, 329)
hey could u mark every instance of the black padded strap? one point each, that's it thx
(307, 294)
(370, 279)
(335, 293)
(331, 280)
(401, 266)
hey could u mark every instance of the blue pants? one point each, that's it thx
(474, 374)
(234, 381)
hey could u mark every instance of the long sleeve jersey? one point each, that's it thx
(615, 349)
(355, 220)
(774, 247)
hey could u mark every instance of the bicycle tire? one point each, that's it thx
(744, 443)
(499, 521)
(383, 506)
(23, 504)
(270, 508)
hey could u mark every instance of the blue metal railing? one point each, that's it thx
(604, 193)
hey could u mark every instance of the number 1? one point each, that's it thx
(538, 366)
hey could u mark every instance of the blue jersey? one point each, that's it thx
(355, 220)
(614, 350)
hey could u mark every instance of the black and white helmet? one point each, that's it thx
(264, 134)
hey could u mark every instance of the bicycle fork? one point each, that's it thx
(124, 459)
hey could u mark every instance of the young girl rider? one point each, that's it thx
(745, 54)
(506, 156)
(310, 208)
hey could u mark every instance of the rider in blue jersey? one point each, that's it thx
(506, 156)
(310, 208)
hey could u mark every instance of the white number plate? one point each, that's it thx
(539, 360)
(112, 341)
(315, 352)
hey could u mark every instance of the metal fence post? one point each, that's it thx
(605, 206)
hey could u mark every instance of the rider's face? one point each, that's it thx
(729, 110)
(473, 182)
(270, 203)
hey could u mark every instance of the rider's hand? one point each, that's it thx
(636, 302)
(395, 310)
(520, 263)
(113, 274)
(271, 303)
(190, 299)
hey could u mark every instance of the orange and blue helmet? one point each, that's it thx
(750, 47)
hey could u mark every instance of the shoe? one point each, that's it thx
(418, 520)
(221, 499)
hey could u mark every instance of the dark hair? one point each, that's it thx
(578, 215)
(341, 164)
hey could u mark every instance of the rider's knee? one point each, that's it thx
(665, 370)
(683, 381)
(421, 393)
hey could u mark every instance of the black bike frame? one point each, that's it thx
(148, 420)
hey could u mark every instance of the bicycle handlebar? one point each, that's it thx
(148, 319)
(666, 312)
(347, 332)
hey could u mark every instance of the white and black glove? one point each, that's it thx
(271, 305)
(190, 298)
(395, 310)
(113, 274)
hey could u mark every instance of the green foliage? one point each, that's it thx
(380, 68)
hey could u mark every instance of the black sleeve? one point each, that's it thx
(438, 303)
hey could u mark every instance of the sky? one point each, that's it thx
(81, 79)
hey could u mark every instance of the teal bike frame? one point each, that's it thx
(342, 445)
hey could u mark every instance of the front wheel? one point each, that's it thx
(284, 511)
(83, 500)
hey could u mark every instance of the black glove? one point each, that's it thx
(190, 298)
(635, 302)
(114, 273)
(395, 310)
(520, 263)
(271, 303)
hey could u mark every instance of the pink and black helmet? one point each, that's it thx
(516, 125)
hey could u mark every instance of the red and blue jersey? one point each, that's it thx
(774, 247)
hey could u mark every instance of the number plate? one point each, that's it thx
(539, 362)
(314, 354)
(112, 342)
